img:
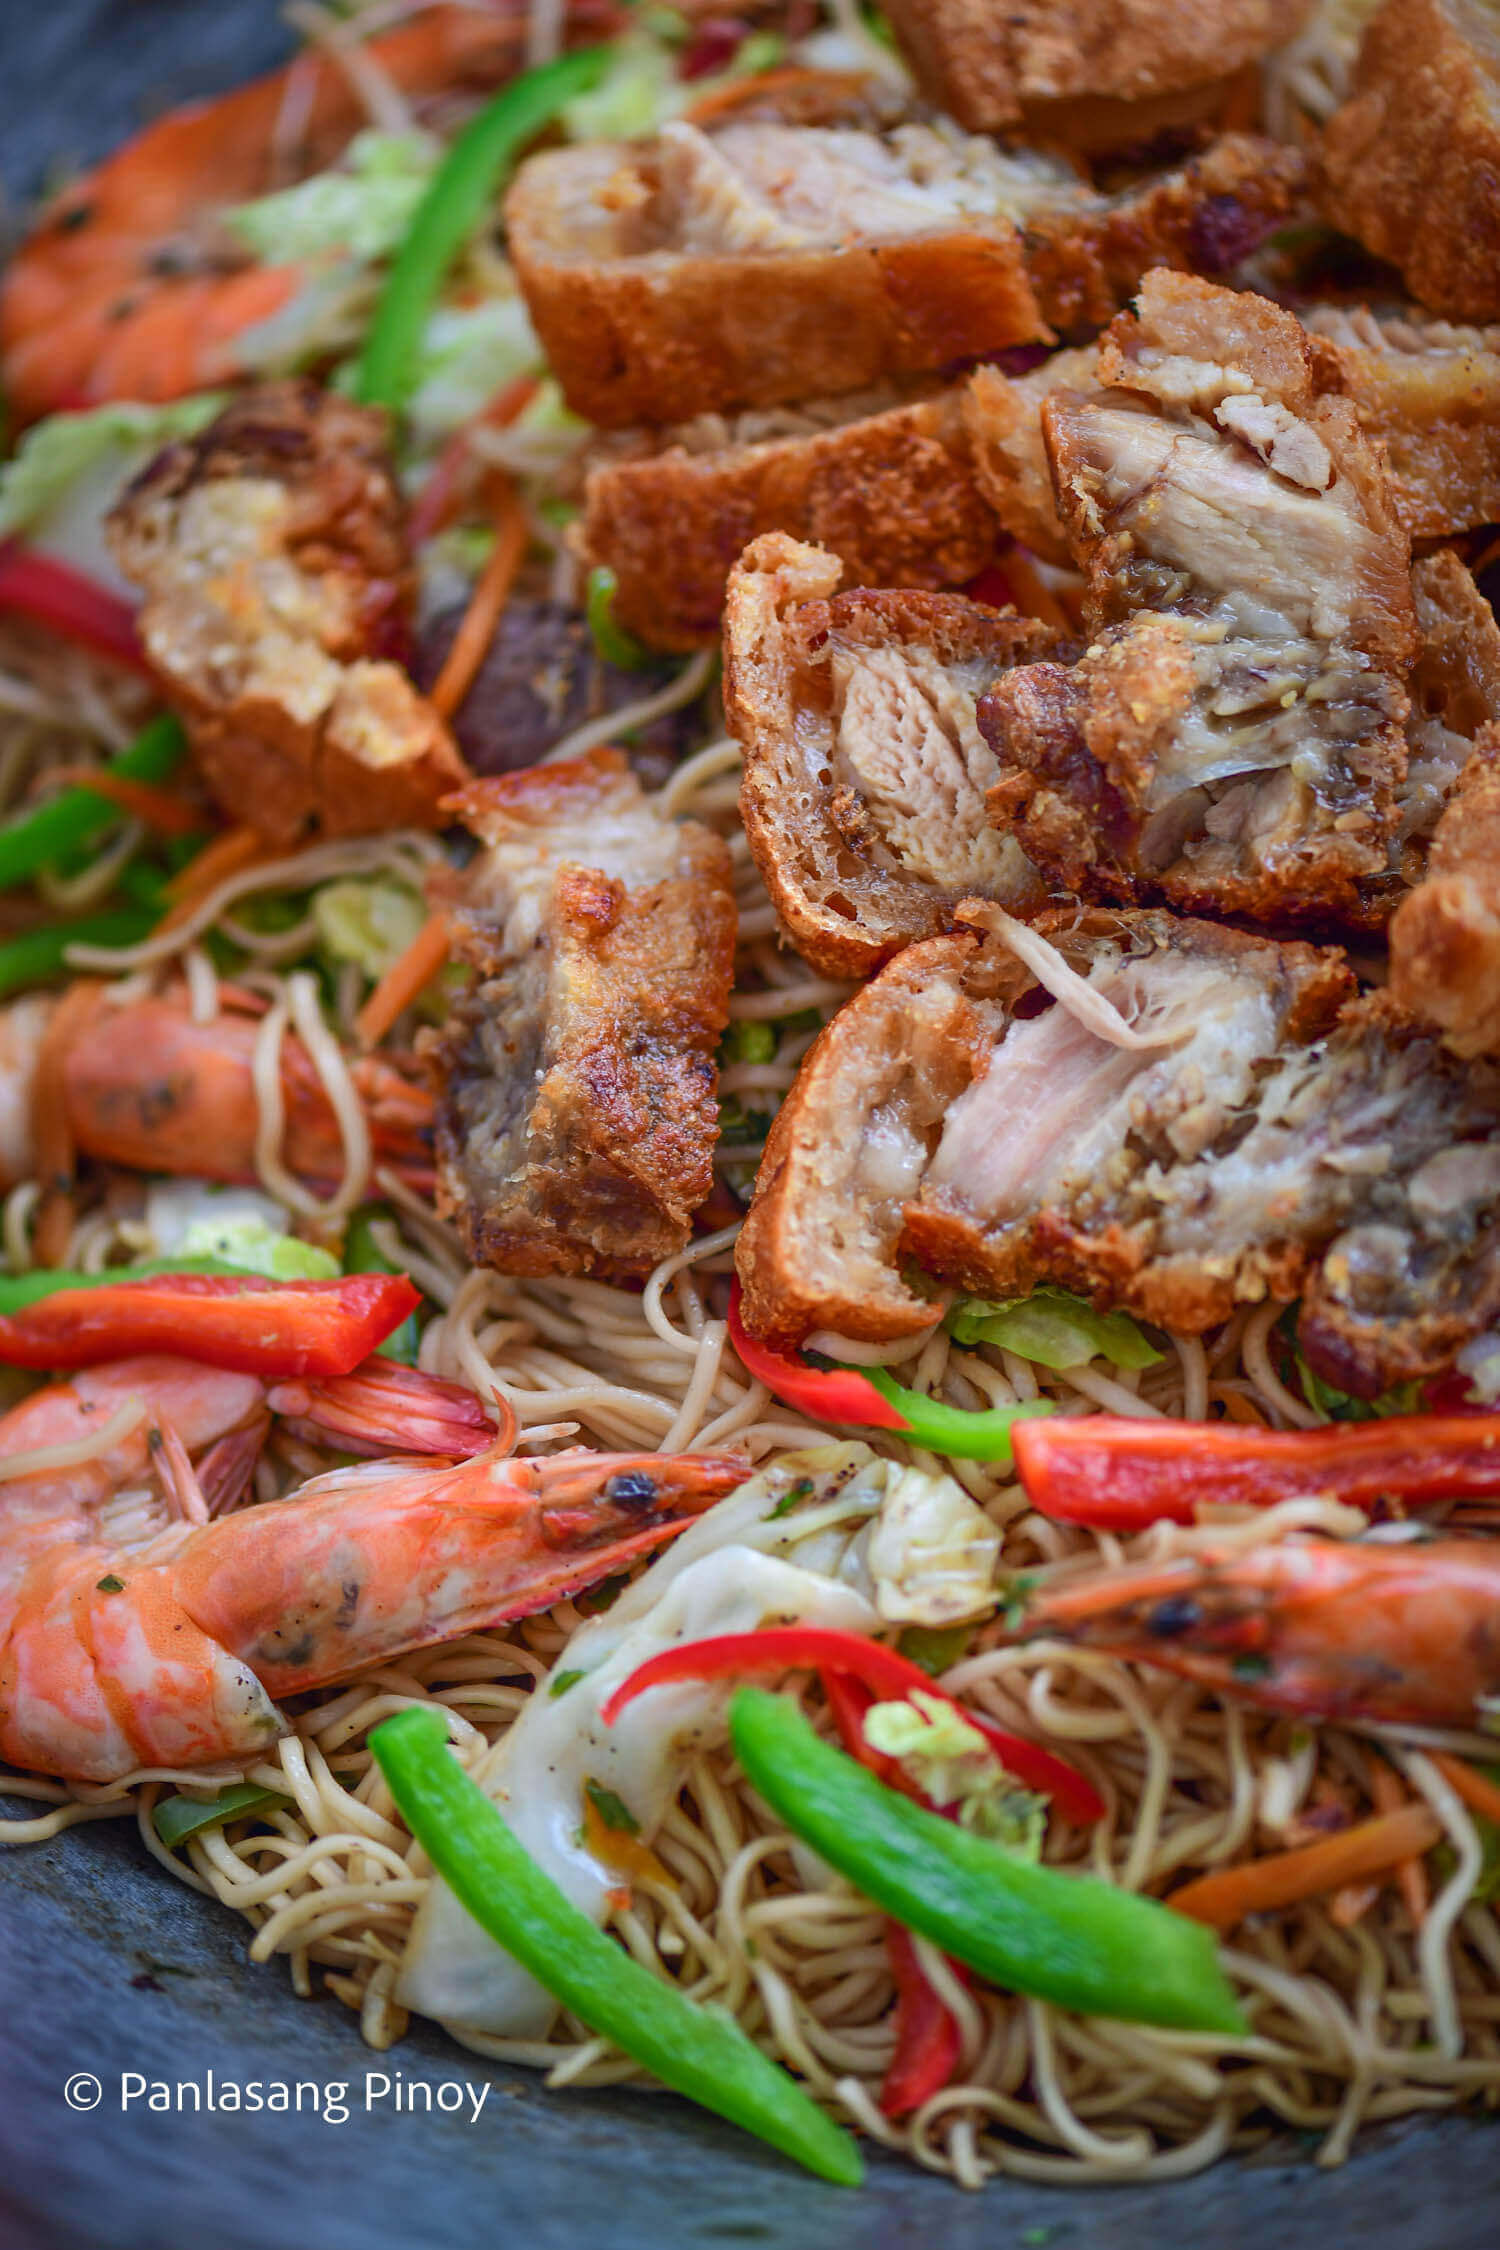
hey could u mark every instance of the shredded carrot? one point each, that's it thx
(486, 605)
(227, 855)
(737, 91)
(1349, 1856)
(618, 1849)
(435, 503)
(404, 981)
(1478, 1792)
(1034, 598)
(158, 808)
(1242, 1409)
(1390, 1793)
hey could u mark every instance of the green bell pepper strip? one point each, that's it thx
(696, 2051)
(612, 642)
(18, 1290)
(42, 837)
(1066, 1938)
(361, 1255)
(178, 1817)
(461, 190)
(871, 1399)
(39, 955)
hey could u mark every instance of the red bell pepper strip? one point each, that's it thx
(1118, 1474)
(928, 2039)
(245, 1323)
(887, 1674)
(54, 594)
(992, 586)
(869, 1398)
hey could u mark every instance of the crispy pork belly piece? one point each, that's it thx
(1411, 161)
(1201, 1118)
(888, 486)
(1445, 935)
(1233, 737)
(1430, 394)
(1003, 417)
(1454, 694)
(577, 1122)
(865, 771)
(760, 262)
(851, 1141)
(272, 551)
(994, 68)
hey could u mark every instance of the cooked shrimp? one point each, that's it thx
(129, 288)
(141, 1084)
(1315, 1627)
(130, 1639)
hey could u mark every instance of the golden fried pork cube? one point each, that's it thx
(1034, 63)
(886, 485)
(1233, 738)
(865, 771)
(1411, 161)
(273, 555)
(577, 1120)
(1430, 394)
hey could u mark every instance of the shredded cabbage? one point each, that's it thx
(88, 457)
(195, 1219)
(637, 93)
(468, 353)
(370, 921)
(1053, 1328)
(361, 209)
(951, 1762)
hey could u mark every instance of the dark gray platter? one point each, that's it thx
(108, 1968)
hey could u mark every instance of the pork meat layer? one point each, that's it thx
(1233, 738)
(272, 552)
(865, 771)
(760, 261)
(1430, 394)
(886, 485)
(1202, 1119)
(1411, 161)
(577, 1122)
(996, 68)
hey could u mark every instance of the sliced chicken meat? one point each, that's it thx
(577, 1122)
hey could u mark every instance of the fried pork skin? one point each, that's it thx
(1429, 393)
(1411, 161)
(1003, 417)
(994, 68)
(1233, 739)
(272, 552)
(865, 771)
(1266, 1134)
(577, 1122)
(887, 486)
(760, 262)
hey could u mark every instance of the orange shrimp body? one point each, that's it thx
(1316, 1627)
(128, 289)
(144, 1086)
(129, 1640)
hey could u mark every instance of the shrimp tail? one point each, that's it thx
(384, 1408)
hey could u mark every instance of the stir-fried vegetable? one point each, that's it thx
(870, 1398)
(611, 640)
(363, 1254)
(72, 820)
(1119, 1474)
(40, 955)
(243, 1322)
(882, 1670)
(698, 2053)
(461, 190)
(362, 208)
(1259, 1886)
(53, 594)
(1053, 1328)
(178, 1817)
(928, 2042)
(1066, 1938)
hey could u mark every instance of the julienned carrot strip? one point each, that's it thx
(434, 505)
(1390, 1793)
(158, 808)
(1260, 1886)
(1478, 1792)
(404, 981)
(1033, 597)
(477, 627)
(227, 855)
(752, 87)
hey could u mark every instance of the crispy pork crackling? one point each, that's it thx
(865, 770)
(278, 581)
(577, 1122)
